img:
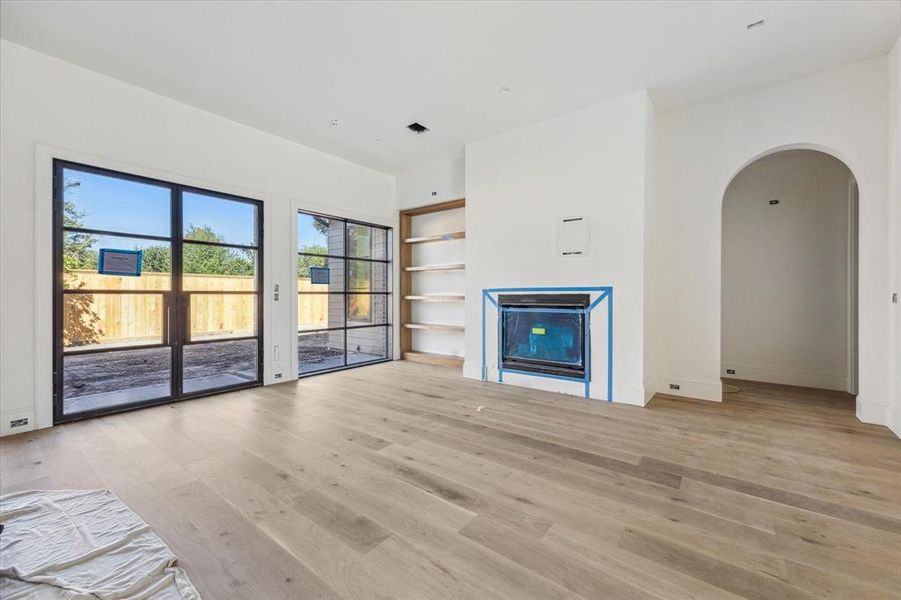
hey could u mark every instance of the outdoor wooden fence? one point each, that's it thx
(134, 318)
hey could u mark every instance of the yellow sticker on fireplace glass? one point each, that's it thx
(538, 330)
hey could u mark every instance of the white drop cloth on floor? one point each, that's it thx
(83, 544)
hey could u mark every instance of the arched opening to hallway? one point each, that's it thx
(789, 272)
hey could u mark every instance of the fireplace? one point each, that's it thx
(544, 333)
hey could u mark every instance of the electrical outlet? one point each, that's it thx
(730, 371)
(277, 376)
(18, 422)
(674, 386)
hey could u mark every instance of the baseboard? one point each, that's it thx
(696, 389)
(812, 378)
(6, 418)
(871, 412)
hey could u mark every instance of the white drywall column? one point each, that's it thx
(893, 408)
(593, 163)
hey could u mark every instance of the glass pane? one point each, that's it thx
(109, 379)
(359, 240)
(319, 311)
(320, 235)
(211, 366)
(364, 345)
(81, 251)
(95, 201)
(222, 316)
(547, 337)
(214, 219)
(320, 351)
(364, 241)
(335, 273)
(217, 268)
(366, 309)
(365, 276)
(92, 321)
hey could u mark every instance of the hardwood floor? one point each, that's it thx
(404, 480)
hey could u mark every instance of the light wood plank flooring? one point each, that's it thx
(404, 480)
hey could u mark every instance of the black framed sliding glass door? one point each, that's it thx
(344, 293)
(181, 318)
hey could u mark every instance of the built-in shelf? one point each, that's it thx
(437, 298)
(416, 302)
(435, 327)
(438, 237)
(430, 358)
(447, 267)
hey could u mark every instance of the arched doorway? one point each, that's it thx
(789, 271)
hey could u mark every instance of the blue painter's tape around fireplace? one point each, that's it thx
(534, 342)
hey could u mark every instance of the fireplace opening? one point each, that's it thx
(544, 333)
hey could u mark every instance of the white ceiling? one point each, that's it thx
(289, 68)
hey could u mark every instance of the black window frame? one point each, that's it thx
(175, 297)
(346, 293)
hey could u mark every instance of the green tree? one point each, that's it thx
(157, 259)
(216, 260)
(304, 262)
(78, 251)
(201, 258)
(79, 319)
(320, 224)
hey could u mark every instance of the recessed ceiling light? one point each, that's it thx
(378, 140)
(504, 89)
(755, 24)
(334, 123)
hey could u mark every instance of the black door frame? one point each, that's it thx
(175, 300)
(388, 294)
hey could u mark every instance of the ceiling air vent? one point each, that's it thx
(417, 128)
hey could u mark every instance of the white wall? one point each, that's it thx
(785, 271)
(893, 410)
(651, 301)
(436, 182)
(518, 184)
(842, 111)
(51, 108)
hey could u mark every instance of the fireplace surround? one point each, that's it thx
(553, 300)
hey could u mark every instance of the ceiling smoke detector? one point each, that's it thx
(417, 128)
(334, 122)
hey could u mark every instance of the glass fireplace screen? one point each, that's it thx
(552, 338)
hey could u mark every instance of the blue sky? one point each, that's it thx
(307, 234)
(116, 204)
